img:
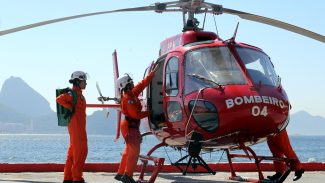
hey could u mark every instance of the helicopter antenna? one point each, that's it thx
(235, 33)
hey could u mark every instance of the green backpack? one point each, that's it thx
(64, 114)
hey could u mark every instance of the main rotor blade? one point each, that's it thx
(106, 113)
(30, 26)
(276, 23)
(98, 89)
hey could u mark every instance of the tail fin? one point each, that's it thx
(117, 93)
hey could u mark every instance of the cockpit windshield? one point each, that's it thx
(258, 66)
(209, 67)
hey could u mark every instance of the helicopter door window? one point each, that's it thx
(171, 78)
(259, 66)
(174, 111)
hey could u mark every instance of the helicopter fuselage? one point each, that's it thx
(226, 91)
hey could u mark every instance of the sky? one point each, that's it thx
(45, 57)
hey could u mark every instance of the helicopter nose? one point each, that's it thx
(238, 108)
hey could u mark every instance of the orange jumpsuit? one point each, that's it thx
(280, 147)
(131, 108)
(78, 147)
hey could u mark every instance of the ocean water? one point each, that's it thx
(39, 148)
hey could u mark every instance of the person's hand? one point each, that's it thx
(102, 99)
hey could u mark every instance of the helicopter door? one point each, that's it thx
(155, 99)
(173, 104)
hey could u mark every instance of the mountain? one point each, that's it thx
(24, 110)
(47, 124)
(9, 114)
(17, 95)
(302, 123)
(97, 123)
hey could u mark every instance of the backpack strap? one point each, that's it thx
(74, 96)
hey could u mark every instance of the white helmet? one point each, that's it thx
(122, 81)
(78, 75)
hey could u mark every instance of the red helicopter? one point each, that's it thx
(208, 93)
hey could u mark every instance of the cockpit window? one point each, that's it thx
(259, 66)
(209, 67)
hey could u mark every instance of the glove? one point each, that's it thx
(102, 99)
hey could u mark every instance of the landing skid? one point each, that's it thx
(258, 160)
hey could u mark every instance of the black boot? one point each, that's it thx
(67, 181)
(276, 176)
(298, 174)
(79, 181)
(127, 179)
(118, 177)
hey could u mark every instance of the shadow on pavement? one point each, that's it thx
(190, 178)
(27, 181)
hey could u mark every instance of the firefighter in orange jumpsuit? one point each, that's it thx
(131, 108)
(280, 147)
(78, 147)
